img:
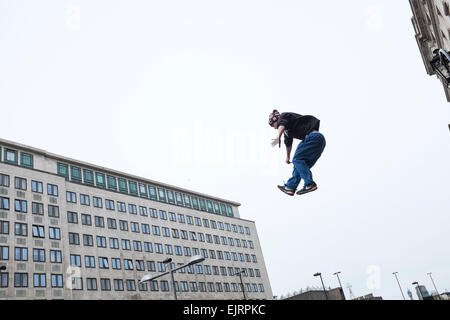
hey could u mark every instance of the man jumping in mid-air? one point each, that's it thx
(308, 151)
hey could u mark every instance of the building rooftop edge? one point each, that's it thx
(100, 168)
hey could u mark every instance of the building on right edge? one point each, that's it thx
(431, 21)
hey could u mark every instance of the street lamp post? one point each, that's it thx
(395, 274)
(168, 261)
(437, 292)
(242, 283)
(148, 277)
(340, 285)
(324, 290)
(418, 289)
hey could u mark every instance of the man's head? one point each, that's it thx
(273, 118)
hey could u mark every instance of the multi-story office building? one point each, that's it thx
(422, 293)
(431, 21)
(74, 230)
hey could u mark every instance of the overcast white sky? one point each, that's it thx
(180, 92)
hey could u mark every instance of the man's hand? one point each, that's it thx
(275, 142)
(288, 161)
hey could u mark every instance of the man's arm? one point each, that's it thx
(277, 140)
(280, 133)
(288, 154)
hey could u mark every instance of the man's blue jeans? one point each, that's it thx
(307, 153)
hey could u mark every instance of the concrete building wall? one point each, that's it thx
(45, 170)
(431, 21)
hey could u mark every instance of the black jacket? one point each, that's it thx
(297, 126)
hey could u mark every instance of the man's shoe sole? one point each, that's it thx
(285, 191)
(302, 191)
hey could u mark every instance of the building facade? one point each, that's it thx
(74, 230)
(319, 294)
(431, 21)
(368, 296)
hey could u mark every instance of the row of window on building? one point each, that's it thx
(122, 185)
(38, 231)
(36, 186)
(160, 248)
(127, 245)
(22, 207)
(76, 283)
(21, 229)
(15, 157)
(86, 219)
(144, 211)
(140, 265)
(71, 197)
(55, 256)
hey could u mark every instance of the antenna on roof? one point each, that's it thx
(349, 287)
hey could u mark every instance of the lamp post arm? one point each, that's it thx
(156, 277)
(168, 272)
